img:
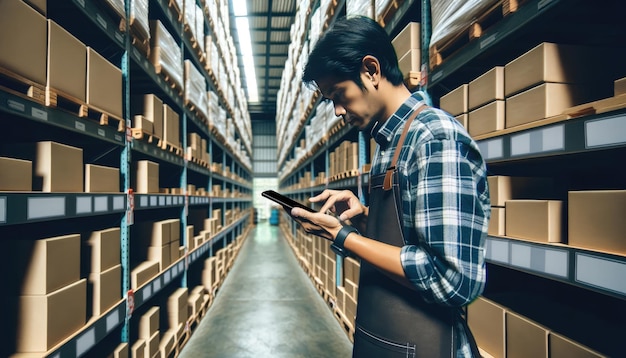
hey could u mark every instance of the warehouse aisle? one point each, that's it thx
(267, 307)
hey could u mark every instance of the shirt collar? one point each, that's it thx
(383, 132)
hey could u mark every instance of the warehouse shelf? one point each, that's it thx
(94, 332)
(155, 201)
(155, 152)
(94, 13)
(21, 208)
(16, 105)
(589, 133)
(600, 272)
(393, 23)
(148, 290)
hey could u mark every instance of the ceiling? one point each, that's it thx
(270, 25)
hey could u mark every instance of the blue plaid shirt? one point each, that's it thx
(445, 204)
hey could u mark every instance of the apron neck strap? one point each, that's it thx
(387, 184)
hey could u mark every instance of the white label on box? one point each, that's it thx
(143, 201)
(112, 320)
(601, 272)
(154, 200)
(118, 203)
(39, 114)
(101, 204)
(492, 148)
(605, 132)
(85, 342)
(3, 209)
(83, 204)
(39, 208)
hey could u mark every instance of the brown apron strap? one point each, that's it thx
(389, 174)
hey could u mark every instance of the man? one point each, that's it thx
(421, 240)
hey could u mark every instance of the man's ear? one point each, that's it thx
(371, 69)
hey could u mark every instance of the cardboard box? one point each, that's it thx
(177, 307)
(409, 38)
(149, 322)
(463, 119)
(150, 107)
(141, 122)
(175, 231)
(596, 220)
(486, 88)
(138, 349)
(143, 273)
(410, 61)
(121, 351)
(525, 338)
(46, 320)
(534, 220)
(56, 167)
(503, 188)
(487, 322)
(456, 101)
(549, 62)
(105, 249)
(66, 63)
(104, 84)
(171, 126)
(23, 39)
(497, 222)
(146, 177)
(619, 87)
(107, 289)
(168, 340)
(101, 179)
(46, 265)
(16, 174)
(562, 347)
(160, 254)
(174, 252)
(152, 345)
(486, 119)
(543, 101)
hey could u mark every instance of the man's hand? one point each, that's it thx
(320, 224)
(345, 205)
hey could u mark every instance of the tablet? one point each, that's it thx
(286, 202)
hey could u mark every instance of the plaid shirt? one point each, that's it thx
(445, 204)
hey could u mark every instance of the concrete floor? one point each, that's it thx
(268, 307)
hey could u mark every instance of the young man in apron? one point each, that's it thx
(421, 240)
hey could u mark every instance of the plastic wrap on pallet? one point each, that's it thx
(139, 17)
(200, 27)
(381, 6)
(195, 87)
(359, 7)
(189, 16)
(170, 56)
(118, 7)
(451, 16)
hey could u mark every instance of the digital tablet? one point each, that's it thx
(286, 202)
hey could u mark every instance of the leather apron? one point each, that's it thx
(392, 319)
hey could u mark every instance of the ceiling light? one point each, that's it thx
(245, 47)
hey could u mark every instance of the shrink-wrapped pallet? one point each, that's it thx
(195, 88)
(166, 54)
(449, 17)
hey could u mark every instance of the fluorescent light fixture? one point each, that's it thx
(245, 46)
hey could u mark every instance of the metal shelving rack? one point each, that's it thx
(18, 208)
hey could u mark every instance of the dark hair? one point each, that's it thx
(340, 51)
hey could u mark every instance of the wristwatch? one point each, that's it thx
(337, 245)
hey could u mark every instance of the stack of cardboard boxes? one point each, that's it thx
(408, 49)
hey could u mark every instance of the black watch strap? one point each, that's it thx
(337, 245)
